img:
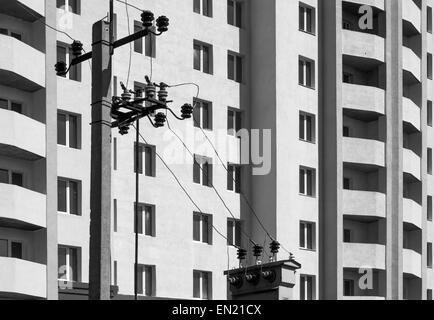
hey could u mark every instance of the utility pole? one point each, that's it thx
(99, 262)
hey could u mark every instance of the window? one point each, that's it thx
(306, 18)
(151, 45)
(234, 232)
(307, 182)
(115, 154)
(235, 67)
(68, 130)
(11, 249)
(138, 43)
(347, 25)
(235, 13)
(147, 154)
(69, 264)
(69, 196)
(346, 131)
(307, 235)
(429, 208)
(202, 228)
(429, 19)
(64, 54)
(11, 105)
(348, 288)
(146, 280)
(307, 127)
(347, 235)
(234, 121)
(429, 294)
(115, 215)
(202, 57)
(202, 284)
(429, 114)
(348, 77)
(202, 170)
(12, 34)
(146, 220)
(202, 114)
(234, 178)
(115, 273)
(306, 72)
(72, 6)
(429, 161)
(203, 6)
(430, 66)
(347, 184)
(429, 255)
(307, 287)
(11, 177)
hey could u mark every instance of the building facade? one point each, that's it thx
(341, 92)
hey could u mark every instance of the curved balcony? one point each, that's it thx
(34, 9)
(412, 213)
(411, 113)
(21, 66)
(363, 98)
(21, 136)
(412, 263)
(411, 63)
(22, 279)
(364, 204)
(364, 45)
(411, 163)
(22, 208)
(412, 14)
(363, 151)
(379, 4)
(363, 255)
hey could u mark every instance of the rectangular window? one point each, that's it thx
(306, 72)
(68, 130)
(202, 114)
(146, 280)
(115, 273)
(348, 288)
(146, 222)
(429, 161)
(202, 170)
(235, 67)
(347, 235)
(64, 54)
(151, 45)
(115, 215)
(429, 255)
(202, 284)
(307, 127)
(11, 105)
(347, 184)
(202, 60)
(234, 121)
(307, 287)
(307, 181)
(429, 19)
(306, 18)
(307, 235)
(69, 196)
(234, 178)
(429, 208)
(234, 232)
(69, 264)
(4, 252)
(429, 294)
(11, 249)
(203, 6)
(429, 114)
(138, 43)
(235, 13)
(147, 159)
(72, 6)
(115, 153)
(11, 177)
(430, 66)
(202, 228)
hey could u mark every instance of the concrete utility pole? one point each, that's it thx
(99, 263)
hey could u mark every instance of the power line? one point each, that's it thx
(130, 5)
(223, 164)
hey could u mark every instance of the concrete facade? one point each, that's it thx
(368, 161)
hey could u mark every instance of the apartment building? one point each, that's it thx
(348, 112)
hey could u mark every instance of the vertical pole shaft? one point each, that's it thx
(111, 18)
(136, 263)
(99, 262)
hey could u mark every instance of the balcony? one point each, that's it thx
(22, 279)
(412, 263)
(34, 9)
(411, 113)
(21, 66)
(359, 255)
(364, 45)
(412, 15)
(412, 212)
(411, 63)
(363, 151)
(411, 163)
(21, 136)
(364, 204)
(22, 208)
(363, 98)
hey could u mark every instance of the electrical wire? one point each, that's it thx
(129, 33)
(250, 206)
(184, 190)
(130, 5)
